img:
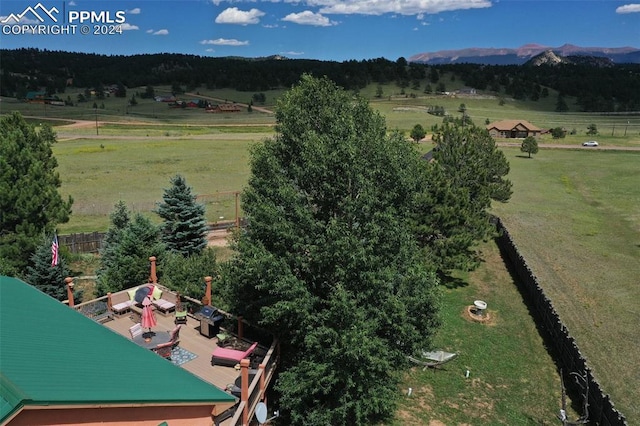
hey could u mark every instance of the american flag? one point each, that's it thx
(54, 250)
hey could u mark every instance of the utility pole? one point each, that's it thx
(96, 111)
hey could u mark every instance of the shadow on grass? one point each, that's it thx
(526, 157)
(452, 283)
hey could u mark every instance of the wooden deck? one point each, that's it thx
(192, 341)
(265, 359)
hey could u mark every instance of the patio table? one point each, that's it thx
(156, 339)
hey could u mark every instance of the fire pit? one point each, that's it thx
(480, 306)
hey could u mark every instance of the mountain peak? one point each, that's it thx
(522, 54)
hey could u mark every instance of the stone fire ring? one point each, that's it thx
(485, 317)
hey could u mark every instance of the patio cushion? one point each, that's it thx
(164, 304)
(132, 293)
(122, 306)
(157, 293)
(226, 356)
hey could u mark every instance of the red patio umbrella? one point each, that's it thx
(148, 317)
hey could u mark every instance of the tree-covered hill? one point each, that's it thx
(613, 88)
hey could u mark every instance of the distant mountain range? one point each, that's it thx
(519, 56)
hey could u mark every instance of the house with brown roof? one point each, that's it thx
(512, 129)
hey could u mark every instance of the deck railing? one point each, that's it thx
(257, 388)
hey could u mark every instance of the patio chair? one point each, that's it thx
(164, 350)
(175, 335)
(433, 359)
(135, 330)
(230, 357)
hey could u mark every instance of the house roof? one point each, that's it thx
(53, 355)
(508, 125)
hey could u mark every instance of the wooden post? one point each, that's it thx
(244, 390)
(237, 210)
(206, 300)
(109, 302)
(263, 391)
(153, 278)
(69, 282)
(240, 325)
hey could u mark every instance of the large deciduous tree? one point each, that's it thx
(451, 213)
(329, 262)
(184, 229)
(30, 203)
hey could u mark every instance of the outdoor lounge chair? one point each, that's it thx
(165, 303)
(230, 357)
(433, 359)
(135, 330)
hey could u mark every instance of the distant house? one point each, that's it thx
(512, 129)
(467, 91)
(224, 108)
(37, 97)
(165, 98)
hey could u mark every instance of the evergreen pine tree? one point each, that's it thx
(185, 228)
(128, 246)
(45, 277)
(120, 219)
(30, 204)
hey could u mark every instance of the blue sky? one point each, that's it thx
(314, 29)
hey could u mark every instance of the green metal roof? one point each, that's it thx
(51, 354)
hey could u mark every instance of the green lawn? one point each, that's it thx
(512, 379)
(575, 215)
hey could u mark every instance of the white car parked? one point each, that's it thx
(590, 143)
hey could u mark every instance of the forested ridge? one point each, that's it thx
(614, 88)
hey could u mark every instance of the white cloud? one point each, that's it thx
(292, 53)
(233, 15)
(149, 31)
(134, 11)
(210, 50)
(225, 42)
(161, 32)
(72, 3)
(309, 18)
(628, 8)
(127, 26)
(380, 7)
(401, 7)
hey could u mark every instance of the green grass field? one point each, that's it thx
(512, 379)
(573, 212)
(576, 217)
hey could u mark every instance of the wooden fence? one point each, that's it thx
(82, 243)
(601, 408)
